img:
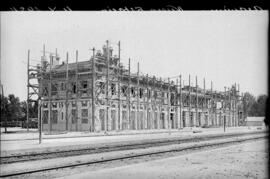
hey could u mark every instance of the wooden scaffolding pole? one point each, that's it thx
(138, 95)
(180, 103)
(40, 92)
(147, 102)
(168, 105)
(189, 103)
(212, 103)
(215, 99)
(224, 108)
(119, 86)
(160, 106)
(28, 86)
(230, 119)
(204, 102)
(234, 105)
(92, 128)
(67, 92)
(129, 126)
(107, 86)
(76, 77)
(197, 117)
(50, 95)
(176, 99)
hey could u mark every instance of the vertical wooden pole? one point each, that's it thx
(215, 99)
(147, 104)
(40, 92)
(197, 117)
(67, 92)
(27, 104)
(107, 86)
(212, 103)
(129, 125)
(76, 78)
(176, 99)
(138, 95)
(230, 119)
(119, 87)
(92, 128)
(224, 108)
(181, 124)
(168, 106)
(50, 95)
(234, 106)
(205, 106)
(189, 107)
(160, 106)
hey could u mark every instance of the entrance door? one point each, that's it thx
(184, 118)
(156, 120)
(162, 121)
(172, 120)
(102, 118)
(113, 120)
(132, 122)
(124, 120)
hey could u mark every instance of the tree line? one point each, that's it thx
(14, 110)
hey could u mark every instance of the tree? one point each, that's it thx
(261, 105)
(4, 108)
(33, 110)
(248, 104)
(14, 108)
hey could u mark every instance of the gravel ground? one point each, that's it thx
(246, 160)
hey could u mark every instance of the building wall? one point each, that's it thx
(159, 117)
(151, 113)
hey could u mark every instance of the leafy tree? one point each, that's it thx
(261, 105)
(248, 104)
(4, 108)
(14, 108)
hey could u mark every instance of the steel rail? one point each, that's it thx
(117, 146)
(199, 146)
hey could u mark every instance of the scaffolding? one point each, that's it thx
(115, 90)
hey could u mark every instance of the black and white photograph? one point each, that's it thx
(134, 94)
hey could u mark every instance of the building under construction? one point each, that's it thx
(100, 94)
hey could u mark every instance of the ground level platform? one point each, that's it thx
(240, 161)
(22, 142)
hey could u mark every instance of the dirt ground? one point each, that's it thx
(246, 160)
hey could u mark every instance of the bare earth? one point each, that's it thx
(246, 160)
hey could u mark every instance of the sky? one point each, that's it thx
(225, 47)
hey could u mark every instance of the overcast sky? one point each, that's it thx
(222, 46)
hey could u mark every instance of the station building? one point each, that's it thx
(125, 100)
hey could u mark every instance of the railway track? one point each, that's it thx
(116, 147)
(137, 155)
